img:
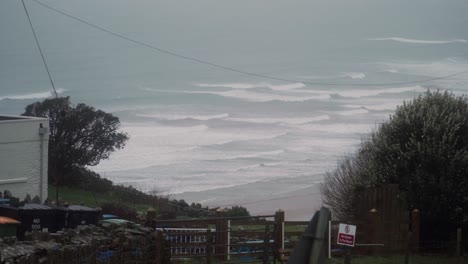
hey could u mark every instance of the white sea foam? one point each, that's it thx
(339, 128)
(354, 75)
(420, 41)
(292, 120)
(254, 155)
(359, 93)
(380, 107)
(432, 69)
(359, 111)
(155, 145)
(283, 87)
(318, 77)
(264, 97)
(174, 117)
(39, 95)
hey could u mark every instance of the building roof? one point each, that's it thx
(7, 207)
(81, 208)
(9, 118)
(2, 117)
(32, 206)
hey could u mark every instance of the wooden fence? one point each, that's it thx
(241, 239)
(384, 225)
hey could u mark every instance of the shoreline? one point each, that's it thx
(299, 197)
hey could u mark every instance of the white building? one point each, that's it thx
(23, 156)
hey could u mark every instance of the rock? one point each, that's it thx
(84, 241)
(13, 252)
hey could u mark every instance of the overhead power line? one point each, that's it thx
(40, 50)
(171, 53)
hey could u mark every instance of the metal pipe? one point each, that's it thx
(42, 132)
(329, 239)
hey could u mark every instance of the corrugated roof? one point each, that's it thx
(81, 208)
(32, 206)
(3, 117)
(6, 220)
(60, 207)
(7, 207)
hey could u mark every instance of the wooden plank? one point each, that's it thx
(294, 223)
(251, 222)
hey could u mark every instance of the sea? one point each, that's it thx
(234, 102)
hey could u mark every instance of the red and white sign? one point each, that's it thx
(346, 235)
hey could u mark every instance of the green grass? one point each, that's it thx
(91, 199)
(401, 260)
(361, 260)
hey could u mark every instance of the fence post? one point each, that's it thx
(408, 246)
(159, 247)
(279, 230)
(222, 237)
(328, 239)
(209, 248)
(150, 216)
(266, 244)
(347, 257)
(415, 229)
(373, 229)
(459, 239)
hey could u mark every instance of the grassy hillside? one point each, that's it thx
(93, 199)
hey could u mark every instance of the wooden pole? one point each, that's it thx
(328, 240)
(408, 246)
(279, 231)
(150, 216)
(347, 257)
(415, 230)
(373, 229)
(209, 249)
(266, 242)
(221, 243)
(159, 247)
(459, 239)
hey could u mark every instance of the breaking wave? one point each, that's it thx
(292, 120)
(375, 92)
(355, 75)
(421, 41)
(284, 87)
(39, 95)
(264, 97)
(175, 117)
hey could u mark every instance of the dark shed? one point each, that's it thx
(36, 217)
(82, 215)
(61, 217)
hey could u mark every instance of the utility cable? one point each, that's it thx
(40, 50)
(174, 54)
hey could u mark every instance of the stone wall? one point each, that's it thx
(88, 244)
